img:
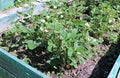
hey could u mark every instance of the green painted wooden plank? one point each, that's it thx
(114, 71)
(17, 67)
(4, 4)
(11, 15)
(5, 74)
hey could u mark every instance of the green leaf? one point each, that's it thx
(70, 52)
(81, 50)
(32, 44)
(14, 45)
(51, 45)
(81, 59)
(49, 48)
(74, 62)
(26, 60)
(24, 29)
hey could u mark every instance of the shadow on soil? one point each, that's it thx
(105, 64)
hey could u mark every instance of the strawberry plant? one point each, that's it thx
(69, 31)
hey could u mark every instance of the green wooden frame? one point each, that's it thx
(17, 67)
(4, 4)
(113, 73)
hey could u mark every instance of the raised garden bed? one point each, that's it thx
(16, 65)
(115, 72)
(4, 4)
(12, 67)
(63, 37)
(10, 15)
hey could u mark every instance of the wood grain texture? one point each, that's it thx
(17, 67)
(5, 74)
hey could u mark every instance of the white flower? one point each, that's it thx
(41, 28)
(61, 16)
(26, 5)
(87, 24)
(43, 20)
(54, 7)
(112, 26)
(46, 30)
(59, 12)
(94, 40)
(118, 11)
(48, 17)
(78, 53)
(91, 39)
(111, 20)
(38, 0)
(88, 39)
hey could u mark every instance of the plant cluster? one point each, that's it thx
(69, 30)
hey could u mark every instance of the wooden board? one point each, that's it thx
(17, 67)
(4, 4)
(118, 75)
(115, 70)
(5, 74)
(10, 15)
